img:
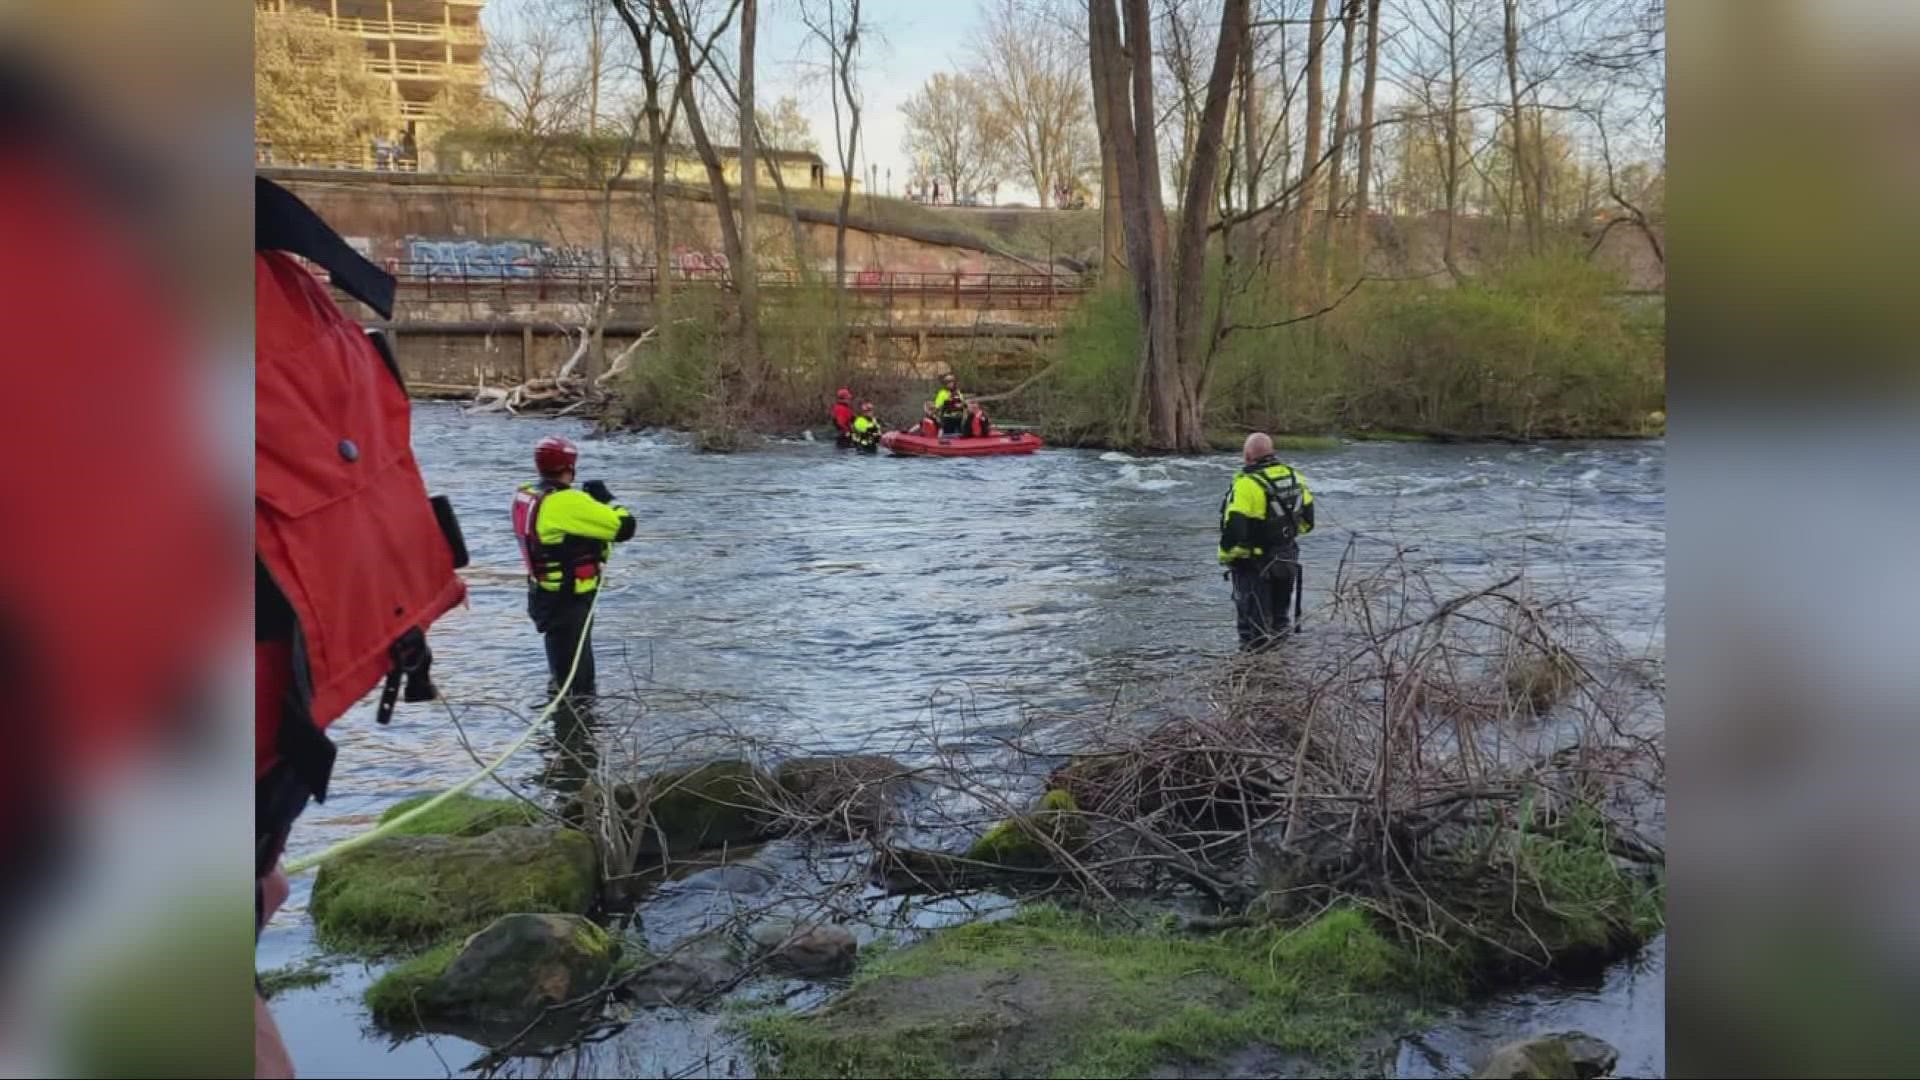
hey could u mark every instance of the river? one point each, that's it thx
(841, 602)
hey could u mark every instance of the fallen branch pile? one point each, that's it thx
(564, 391)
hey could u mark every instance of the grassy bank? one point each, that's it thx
(1546, 348)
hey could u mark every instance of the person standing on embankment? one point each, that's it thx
(565, 534)
(1261, 518)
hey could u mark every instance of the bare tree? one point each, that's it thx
(952, 126)
(1037, 84)
(1113, 245)
(746, 271)
(1177, 341)
(1349, 12)
(1316, 104)
(836, 24)
(1363, 227)
(680, 34)
(536, 78)
(1523, 168)
(658, 125)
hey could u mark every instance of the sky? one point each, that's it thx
(911, 40)
(908, 41)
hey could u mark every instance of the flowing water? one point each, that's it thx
(837, 601)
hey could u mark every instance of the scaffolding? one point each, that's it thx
(420, 47)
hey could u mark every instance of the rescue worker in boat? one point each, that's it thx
(977, 425)
(929, 426)
(866, 429)
(949, 405)
(843, 418)
(1261, 518)
(565, 534)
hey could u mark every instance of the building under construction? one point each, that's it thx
(420, 46)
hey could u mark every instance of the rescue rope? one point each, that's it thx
(387, 828)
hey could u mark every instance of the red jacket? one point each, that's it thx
(842, 417)
(977, 426)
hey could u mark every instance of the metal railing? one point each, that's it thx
(412, 31)
(432, 69)
(510, 278)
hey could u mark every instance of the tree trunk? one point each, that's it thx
(1310, 161)
(716, 173)
(1249, 128)
(1347, 13)
(1452, 170)
(1196, 210)
(657, 143)
(594, 51)
(747, 270)
(1113, 261)
(1523, 173)
(852, 153)
(1103, 25)
(1362, 224)
(1162, 329)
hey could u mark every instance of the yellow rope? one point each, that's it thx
(386, 828)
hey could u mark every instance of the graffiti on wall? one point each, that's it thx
(511, 259)
(690, 261)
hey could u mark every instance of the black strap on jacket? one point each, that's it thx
(1273, 498)
(281, 222)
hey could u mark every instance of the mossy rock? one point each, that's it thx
(462, 815)
(406, 892)
(510, 973)
(1050, 994)
(1554, 900)
(1030, 840)
(718, 804)
(847, 794)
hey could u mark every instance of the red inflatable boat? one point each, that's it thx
(908, 444)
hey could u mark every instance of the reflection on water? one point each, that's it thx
(827, 598)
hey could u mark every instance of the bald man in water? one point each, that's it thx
(1262, 516)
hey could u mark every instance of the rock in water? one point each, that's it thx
(689, 972)
(522, 964)
(713, 805)
(405, 892)
(848, 795)
(816, 950)
(510, 973)
(1569, 1055)
(1029, 841)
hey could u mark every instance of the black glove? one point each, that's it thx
(598, 489)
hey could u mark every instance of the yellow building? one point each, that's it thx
(798, 168)
(511, 153)
(420, 46)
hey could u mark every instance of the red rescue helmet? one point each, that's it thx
(554, 455)
(846, 394)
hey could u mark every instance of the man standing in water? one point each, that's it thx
(565, 533)
(1264, 513)
(866, 430)
(843, 418)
